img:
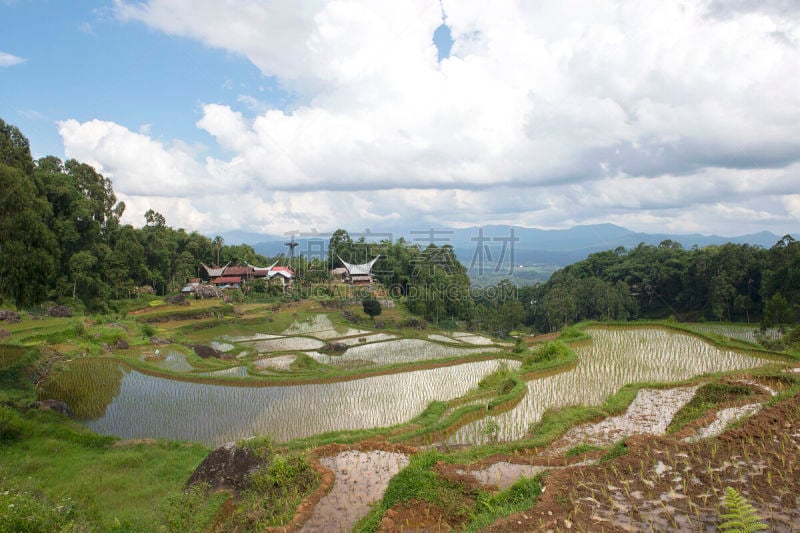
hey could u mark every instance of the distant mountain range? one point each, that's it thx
(497, 251)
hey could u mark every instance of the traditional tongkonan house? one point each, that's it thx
(359, 274)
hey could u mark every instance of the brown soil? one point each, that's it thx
(546, 337)
(664, 484)
(414, 515)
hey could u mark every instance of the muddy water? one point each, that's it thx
(503, 474)
(361, 480)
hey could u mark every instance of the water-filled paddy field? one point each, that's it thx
(116, 400)
(613, 358)
(744, 333)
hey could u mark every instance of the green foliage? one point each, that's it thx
(11, 424)
(618, 450)
(551, 351)
(706, 398)
(262, 446)
(24, 512)
(55, 458)
(192, 510)
(731, 282)
(519, 346)
(371, 306)
(518, 497)
(419, 481)
(491, 429)
(580, 449)
(497, 379)
(741, 516)
(148, 330)
(275, 492)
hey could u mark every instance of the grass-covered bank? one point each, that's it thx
(109, 482)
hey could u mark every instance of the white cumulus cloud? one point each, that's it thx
(544, 113)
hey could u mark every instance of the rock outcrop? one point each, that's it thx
(59, 311)
(227, 467)
(52, 405)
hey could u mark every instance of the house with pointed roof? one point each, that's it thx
(359, 274)
(215, 272)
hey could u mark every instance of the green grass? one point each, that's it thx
(580, 449)
(418, 481)
(617, 450)
(491, 507)
(57, 458)
(707, 397)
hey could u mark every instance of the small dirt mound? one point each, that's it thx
(207, 351)
(9, 316)
(227, 467)
(121, 344)
(334, 348)
(60, 311)
(207, 291)
(177, 299)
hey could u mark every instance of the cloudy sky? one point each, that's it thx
(269, 116)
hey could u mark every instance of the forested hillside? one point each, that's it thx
(730, 282)
(61, 239)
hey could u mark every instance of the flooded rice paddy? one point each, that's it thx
(398, 351)
(743, 333)
(115, 400)
(361, 480)
(321, 327)
(613, 358)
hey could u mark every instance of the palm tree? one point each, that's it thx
(218, 242)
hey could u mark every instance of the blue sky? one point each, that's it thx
(313, 114)
(92, 65)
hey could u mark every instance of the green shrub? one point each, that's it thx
(148, 330)
(189, 511)
(11, 424)
(518, 497)
(23, 512)
(549, 352)
(276, 489)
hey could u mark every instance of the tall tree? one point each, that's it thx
(27, 245)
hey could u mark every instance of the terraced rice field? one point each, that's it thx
(320, 326)
(743, 333)
(115, 400)
(398, 351)
(615, 357)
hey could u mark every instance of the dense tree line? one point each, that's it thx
(61, 239)
(730, 282)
